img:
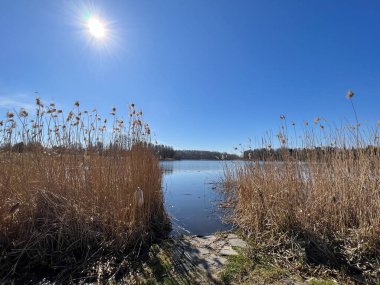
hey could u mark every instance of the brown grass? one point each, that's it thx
(75, 188)
(322, 201)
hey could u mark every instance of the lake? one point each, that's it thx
(191, 196)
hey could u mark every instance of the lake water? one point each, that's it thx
(191, 197)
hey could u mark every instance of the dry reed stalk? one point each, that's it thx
(68, 190)
(331, 195)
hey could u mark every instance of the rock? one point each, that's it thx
(219, 244)
(208, 254)
(209, 238)
(212, 263)
(237, 242)
(228, 250)
(219, 260)
(203, 251)
(232, 236)
(206, 240)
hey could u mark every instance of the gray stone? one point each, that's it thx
(218, 244)
(208, 254)
(207, 240)
(203, 251)
(228, 250)
(210, 237)
(218, 261)
(238, 242)
(232, 236)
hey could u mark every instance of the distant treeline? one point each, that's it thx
(202, 154)
(163, 152)
(303, 154)
(167, 152)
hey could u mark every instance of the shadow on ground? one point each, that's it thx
(188, 260)
(176, 261)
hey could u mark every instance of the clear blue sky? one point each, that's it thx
(207, 74)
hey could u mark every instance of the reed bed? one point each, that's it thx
(316, 205)
(75, 188)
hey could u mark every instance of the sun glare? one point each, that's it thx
(96, 28)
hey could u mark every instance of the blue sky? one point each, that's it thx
(207, 74)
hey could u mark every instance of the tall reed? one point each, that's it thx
(325, 193)
(75, 187)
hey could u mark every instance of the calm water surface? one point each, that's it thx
(191, 197)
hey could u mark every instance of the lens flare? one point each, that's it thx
(96, 28)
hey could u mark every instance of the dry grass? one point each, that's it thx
(320, 204)
(75, 188)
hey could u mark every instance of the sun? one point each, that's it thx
(96, 28)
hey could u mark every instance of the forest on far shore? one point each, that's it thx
(169, 153)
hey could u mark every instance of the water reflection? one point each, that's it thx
(167, 167)
(190, 196)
